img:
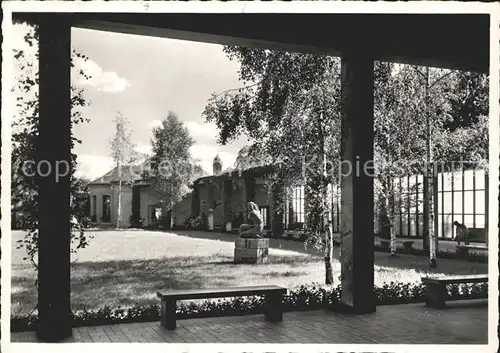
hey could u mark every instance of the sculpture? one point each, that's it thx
(252, 230)
(462, 233)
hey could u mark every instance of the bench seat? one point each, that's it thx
(464, 249)
(407, 244)
(435, 287)
(273, 300)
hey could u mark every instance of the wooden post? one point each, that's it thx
(357, 254)
(274, 307)
(168, 313)
(53, 156)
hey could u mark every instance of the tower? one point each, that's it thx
(217, 165)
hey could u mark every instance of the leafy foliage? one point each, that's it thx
(172, 169)
(24, 140)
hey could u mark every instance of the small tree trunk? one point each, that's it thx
(390, 218)
(432, 234)
(393, 233)
(327, 212)
(119, 210)
(430, 177)
(328, 239)
(172, 215)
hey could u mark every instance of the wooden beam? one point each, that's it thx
(53, 157)
(357, 229)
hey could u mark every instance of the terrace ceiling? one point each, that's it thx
(455, 41)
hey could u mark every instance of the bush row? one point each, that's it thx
(304, 298)
(452, 255)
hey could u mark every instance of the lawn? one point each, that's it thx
(121, 268)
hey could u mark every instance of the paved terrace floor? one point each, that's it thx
(464, 322)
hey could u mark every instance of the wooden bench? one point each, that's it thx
(478, 235)
(475, 235)
(407, 244)
(273, 300)
(464, 249)
(435, 287)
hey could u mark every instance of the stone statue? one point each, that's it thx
(462, 233)
(252, 230)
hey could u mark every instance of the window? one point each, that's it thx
(154, 214)
(106, 209)
(94, 205)
(294, 215)
(93, 216)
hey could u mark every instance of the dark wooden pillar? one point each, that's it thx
(53, 156)
(357, 254)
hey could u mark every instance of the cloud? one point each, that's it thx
(202, 130)
(206, 154)
(154, 123)
(143, 148)
(104, 81)
(92, 166)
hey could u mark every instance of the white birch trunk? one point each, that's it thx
(327, 215)
(389, 209)
(432, 234)
(429, 175)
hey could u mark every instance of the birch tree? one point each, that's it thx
(123, 154)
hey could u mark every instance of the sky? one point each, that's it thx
(145, 78)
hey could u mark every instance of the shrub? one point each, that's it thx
(194, 223)
(310, 297)
(452, 255)
(136, 221)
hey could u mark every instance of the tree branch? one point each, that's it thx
(441, 78)
(235, 89)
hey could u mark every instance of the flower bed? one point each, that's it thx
(304, 298)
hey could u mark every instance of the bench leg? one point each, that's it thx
(435, 296)
(274, 307)
(168, 316)
(464, 252)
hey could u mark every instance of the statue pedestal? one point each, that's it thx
(251, 251)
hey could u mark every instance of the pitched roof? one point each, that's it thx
(130, 173)
(127, 173)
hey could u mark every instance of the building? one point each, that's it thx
(139, 200)
(220, 200)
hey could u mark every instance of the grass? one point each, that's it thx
(122, 268)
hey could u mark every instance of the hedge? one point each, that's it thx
(441, 254)
(304, 298)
